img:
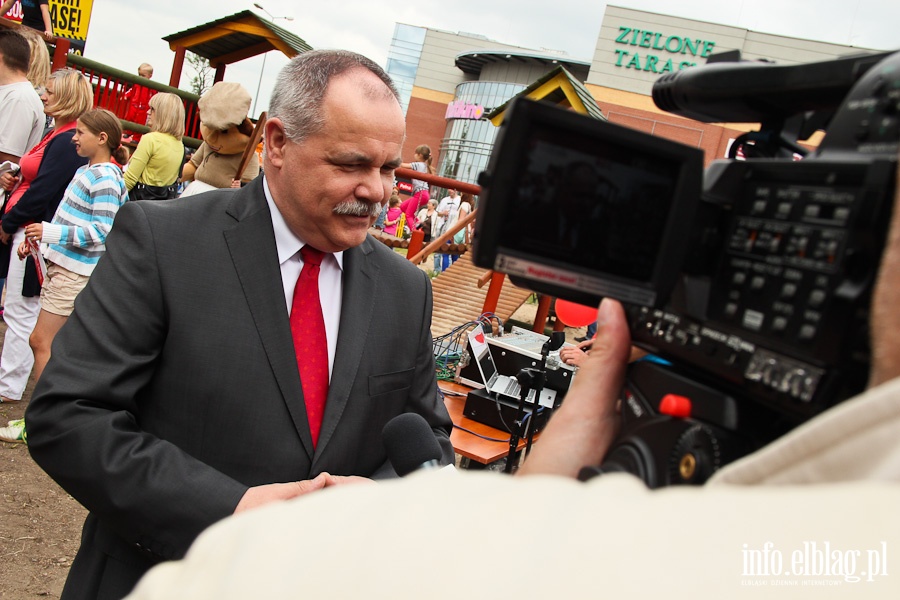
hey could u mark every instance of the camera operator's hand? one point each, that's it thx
(582, 429)
(885, 318)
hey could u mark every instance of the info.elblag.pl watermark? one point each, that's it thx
(812, 563)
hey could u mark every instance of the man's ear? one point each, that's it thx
(276, 140)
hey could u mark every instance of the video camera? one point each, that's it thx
(750, 281)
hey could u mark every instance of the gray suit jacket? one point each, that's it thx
(174, 387)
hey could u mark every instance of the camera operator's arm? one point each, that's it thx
(583, 428)
(885, 319)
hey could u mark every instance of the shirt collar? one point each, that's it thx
(287, 242)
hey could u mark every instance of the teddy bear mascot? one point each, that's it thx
(226, 131)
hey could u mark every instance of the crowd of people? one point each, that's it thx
(419, 211)
(34, 191)
(43, 160)
(66, 173)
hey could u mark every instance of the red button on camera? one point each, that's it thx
(675, 406)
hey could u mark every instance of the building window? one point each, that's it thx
(467, 143)
(403, 59)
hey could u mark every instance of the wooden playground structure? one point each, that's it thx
(464, 292)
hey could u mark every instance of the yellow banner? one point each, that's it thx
(71, 18)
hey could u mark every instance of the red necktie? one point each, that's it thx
(310, 344)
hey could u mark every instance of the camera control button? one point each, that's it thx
(779, 324)
(758, 282)
(816, 298)
(807, 332)
(788, 290)
(841, 214)
(753, 320)
(731, 309)
(675, 406)
(759, 207)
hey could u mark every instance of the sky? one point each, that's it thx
(124, 33)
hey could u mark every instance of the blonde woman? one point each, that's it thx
(156, 163)
(38, 65)
(75, 239)
(46, 171)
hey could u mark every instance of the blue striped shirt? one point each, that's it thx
(77, 233)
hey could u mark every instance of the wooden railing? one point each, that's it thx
(414, 253)
(492, 278)
(110, 85)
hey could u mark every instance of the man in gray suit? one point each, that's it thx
(173, 397)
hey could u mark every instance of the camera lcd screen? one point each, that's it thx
(582, 209)
(591, 206)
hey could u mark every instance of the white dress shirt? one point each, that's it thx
(331, 286)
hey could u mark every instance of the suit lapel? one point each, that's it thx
(357, 311)
(251, 244)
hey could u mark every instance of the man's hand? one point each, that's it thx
(572, 355)
(333, 480)
(276, 492)
(583, 428)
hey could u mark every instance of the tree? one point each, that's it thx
(202, 80)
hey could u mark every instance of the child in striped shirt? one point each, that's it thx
(76, 237)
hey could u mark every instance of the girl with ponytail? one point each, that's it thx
(72, 243)
(420, 196)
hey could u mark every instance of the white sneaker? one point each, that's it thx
(14, 432)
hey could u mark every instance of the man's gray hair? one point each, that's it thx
(302, 83)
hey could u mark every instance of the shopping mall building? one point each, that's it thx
(450, 81)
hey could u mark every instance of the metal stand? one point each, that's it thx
(530, 379)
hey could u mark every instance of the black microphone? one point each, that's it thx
(410, 444)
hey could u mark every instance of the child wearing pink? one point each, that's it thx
(392, 220)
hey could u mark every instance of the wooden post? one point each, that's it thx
(436, 244)
(558, 325)
(177, 66)
(60, 53)
(415, 243)
(543, 311)
(220, 73)
(493, 293)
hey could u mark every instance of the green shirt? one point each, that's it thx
(156, 161)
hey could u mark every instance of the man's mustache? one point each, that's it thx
(357, 208)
